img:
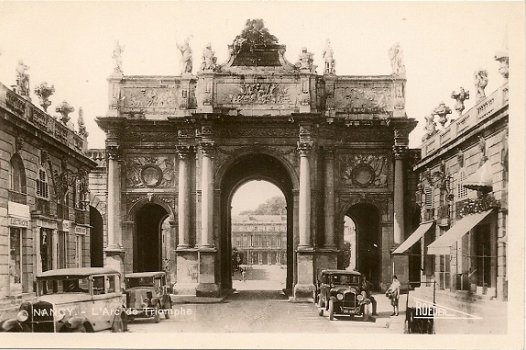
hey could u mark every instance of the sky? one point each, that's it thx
(70, 44)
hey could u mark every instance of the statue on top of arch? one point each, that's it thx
(209, 58)
(254, 34)
(328, 56)
(397, 60)
(186, 55)
(22, 79)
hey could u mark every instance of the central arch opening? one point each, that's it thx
(362, 226)
(259, 237)
(261, 245)
(147, 245)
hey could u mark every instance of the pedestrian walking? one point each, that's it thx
(241, 274)
(394, 294)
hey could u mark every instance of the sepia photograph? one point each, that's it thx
(281, 174)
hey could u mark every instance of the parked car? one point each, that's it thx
(339, 292)
(73, 300)
(147, 295)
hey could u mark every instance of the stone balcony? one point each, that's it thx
(98, 156)
(471, 118)
(24, 109)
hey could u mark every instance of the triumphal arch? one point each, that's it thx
(178, 147)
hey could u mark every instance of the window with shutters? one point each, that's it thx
(42, 184)
(461, 192)
(428, 197)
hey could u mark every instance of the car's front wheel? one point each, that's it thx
(331, 310)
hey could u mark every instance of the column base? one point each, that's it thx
(304, 288)
(187, 271)
(186, 289)
(303, 293)
(208, 290)
(401, 270)
(326, 259)
(114, 258)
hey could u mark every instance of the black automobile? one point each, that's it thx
(339, 292)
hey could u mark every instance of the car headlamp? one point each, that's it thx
(339, 296)
(22, 316)
(359, 297)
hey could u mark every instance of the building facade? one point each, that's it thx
(260, 239)
(178, 147)
(44, 195)
(462, 192)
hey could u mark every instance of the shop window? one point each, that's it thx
(15, 260)
(46, 248)
(79, 240)
(17, 175)
(42, 184)
(481, 261)
(62, 250)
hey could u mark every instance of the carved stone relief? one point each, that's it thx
(364, 100)
(144, 172)
(260, 93)
(364, 170)
(148, 99)
(259, 132)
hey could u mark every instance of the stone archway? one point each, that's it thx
(366, 218)
(254, 166)
(147, 238)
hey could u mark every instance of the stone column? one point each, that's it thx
(187, 256)
(330, 241)
(304, 149)
(401, 262)
(114, 250)
(207, 253)
(183, 202)
(207, 194)
(327, 256)
(305, 254)
(399, 192)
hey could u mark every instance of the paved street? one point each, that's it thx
(259, 305)
(265, 311)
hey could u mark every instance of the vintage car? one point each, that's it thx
(73, 300)
(339, 292)
(147, 295)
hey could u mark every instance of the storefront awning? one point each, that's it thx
(442, 245)
(481, 179)
(415, 237)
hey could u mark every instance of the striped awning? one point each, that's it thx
(415, 237)
(442, 246)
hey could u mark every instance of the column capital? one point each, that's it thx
(400, 151)
(305, 147)
(113, 152)
(184, 151)
(208, 148)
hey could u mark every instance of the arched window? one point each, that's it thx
(42, 184)
(17, 175)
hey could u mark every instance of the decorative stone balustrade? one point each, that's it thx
(26, 110)
(482, 110)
